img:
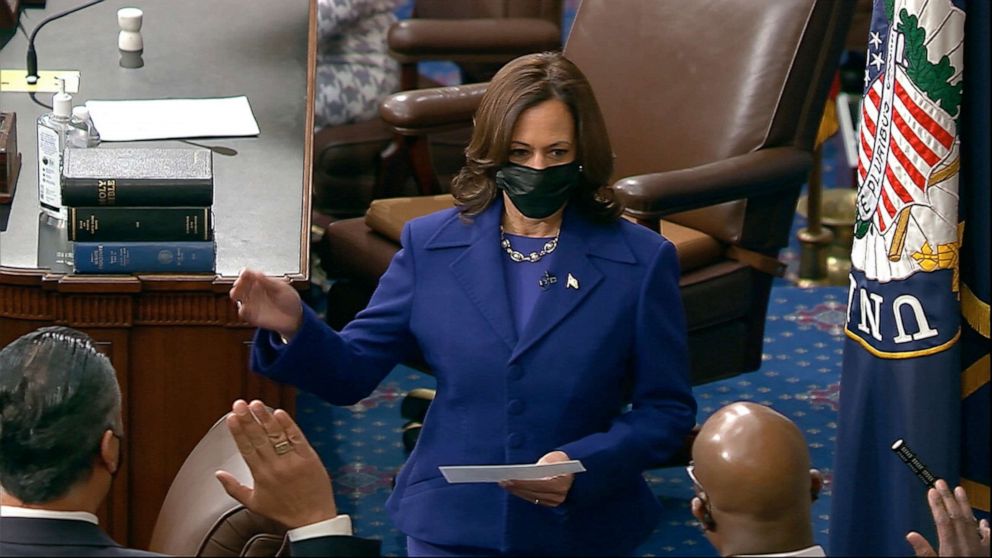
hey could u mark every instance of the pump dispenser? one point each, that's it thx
(82, 132)
(53, 127)
(62, 101)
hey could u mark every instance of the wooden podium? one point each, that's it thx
(180, 351)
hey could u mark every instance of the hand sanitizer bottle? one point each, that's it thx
(53, 127)
(83, 133)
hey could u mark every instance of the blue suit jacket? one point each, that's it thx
(504, 397)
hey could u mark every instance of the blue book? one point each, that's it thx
(144, 257)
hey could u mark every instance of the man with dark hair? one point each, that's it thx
(60, 423)
(60, 430)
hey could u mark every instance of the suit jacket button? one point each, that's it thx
(515, 440)
(515, 407)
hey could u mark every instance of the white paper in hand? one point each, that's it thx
(497, 473)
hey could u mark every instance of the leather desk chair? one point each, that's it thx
(712, 108)
(199, 519)
(355, 163)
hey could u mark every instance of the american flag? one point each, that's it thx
(902, 373)
(904, 136)
(917, 136)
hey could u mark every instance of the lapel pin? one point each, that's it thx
(547, 280)
(571, 282)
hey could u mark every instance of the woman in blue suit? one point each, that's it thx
(541, 313)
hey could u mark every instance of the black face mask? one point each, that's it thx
(538, 193)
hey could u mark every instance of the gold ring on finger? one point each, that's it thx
(283, 447)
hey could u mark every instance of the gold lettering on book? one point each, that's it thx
(192, 224)
(89, 223)
(106, 192)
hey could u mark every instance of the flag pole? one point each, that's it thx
(814, 239)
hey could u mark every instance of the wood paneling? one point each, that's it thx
(181, 360)
(179, 349)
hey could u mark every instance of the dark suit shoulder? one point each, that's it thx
(16, 549)
(22, 536)
(336, 546)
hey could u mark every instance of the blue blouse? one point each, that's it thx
(526, 281)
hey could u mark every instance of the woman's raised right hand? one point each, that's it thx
(267, 302)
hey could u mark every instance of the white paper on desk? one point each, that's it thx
(173, 118)
(496, 473)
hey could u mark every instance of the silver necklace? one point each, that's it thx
(517, 256)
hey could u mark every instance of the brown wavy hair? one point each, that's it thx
(521, 84)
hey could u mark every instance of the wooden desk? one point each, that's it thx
(179, 349)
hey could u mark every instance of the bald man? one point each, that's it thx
(753, 483)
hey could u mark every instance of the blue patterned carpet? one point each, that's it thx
(361, 445)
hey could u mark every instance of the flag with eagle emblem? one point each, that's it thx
(901, 377)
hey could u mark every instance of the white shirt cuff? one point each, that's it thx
(336, 526)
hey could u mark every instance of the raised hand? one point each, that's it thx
(267, 302)
(291, 484)
(958, 533)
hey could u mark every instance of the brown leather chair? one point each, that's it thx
(198, 518)
(712, 108)
(356, 163)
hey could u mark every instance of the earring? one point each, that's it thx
(706, 523)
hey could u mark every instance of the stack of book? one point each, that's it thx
(140, 210)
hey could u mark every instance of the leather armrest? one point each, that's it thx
(762, 172)
(367, 131)
(471, 40)
(435, 109)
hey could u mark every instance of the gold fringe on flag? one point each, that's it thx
(975, 376)
(975, 311)
(978, 494)
(828, 124)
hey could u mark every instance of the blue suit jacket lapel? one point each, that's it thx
(478, 269)
(579, 242)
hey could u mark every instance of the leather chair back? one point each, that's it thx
(733, 91)
(478, 71)
(198, 518)
(466, 9)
